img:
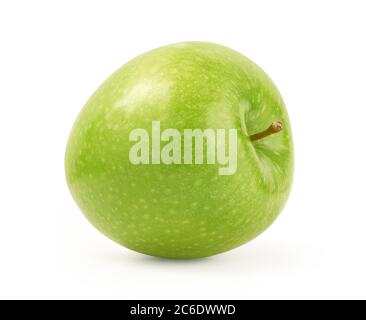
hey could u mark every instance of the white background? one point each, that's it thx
(54, 54)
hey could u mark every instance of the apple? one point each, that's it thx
(184, 152)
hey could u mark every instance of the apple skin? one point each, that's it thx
(181, 211)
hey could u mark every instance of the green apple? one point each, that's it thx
(184, 152)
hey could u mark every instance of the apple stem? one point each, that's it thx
(275, 127)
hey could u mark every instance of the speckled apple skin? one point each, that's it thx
(181, 211)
